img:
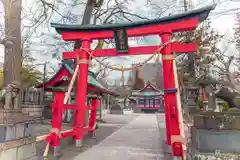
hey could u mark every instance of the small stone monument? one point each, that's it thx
(192, 95)
(32, 102)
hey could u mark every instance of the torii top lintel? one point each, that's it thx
(177, 23)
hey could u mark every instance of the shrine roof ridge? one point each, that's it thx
(200, 13)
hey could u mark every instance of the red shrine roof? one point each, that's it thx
(150, 86)
(148, 90)
(63, 76)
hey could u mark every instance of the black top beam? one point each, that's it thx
(201, 14)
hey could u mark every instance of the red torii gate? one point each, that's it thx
(164, 27)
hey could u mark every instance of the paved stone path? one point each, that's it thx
(141, 139)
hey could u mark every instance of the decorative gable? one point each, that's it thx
(149, 88)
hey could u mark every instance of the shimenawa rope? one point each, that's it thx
(133, 67)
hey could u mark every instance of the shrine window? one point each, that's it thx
(157, 101)
(141, 101)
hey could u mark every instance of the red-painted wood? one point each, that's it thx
(63, 72)
(184, 48)
(68, 133)
(81, 91)
(177, 47)
(65, 106)
(181, 26)
(170, 103)
(53, 138)
(147, 86)
(93, 114)
(70, 106)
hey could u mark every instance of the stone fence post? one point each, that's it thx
(32, 102)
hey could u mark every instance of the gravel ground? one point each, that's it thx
(113, 123)
(141, 139)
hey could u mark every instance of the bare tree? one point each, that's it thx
(13, 48)
(13, 55)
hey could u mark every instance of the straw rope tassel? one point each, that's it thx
(161, 46)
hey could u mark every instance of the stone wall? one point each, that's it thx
(195, 155)
(22, 149)
(33, 110)
(226, 141)
(215, 136)
(16, 138)
(13, 132)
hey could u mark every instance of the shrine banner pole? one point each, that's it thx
(180, 114)
(170, 99)
(57, 105)
(166, 50)
(81, 92)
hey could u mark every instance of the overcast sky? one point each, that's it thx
(223, 23)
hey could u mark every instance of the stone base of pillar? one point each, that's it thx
(79, 143)
(57, 151)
